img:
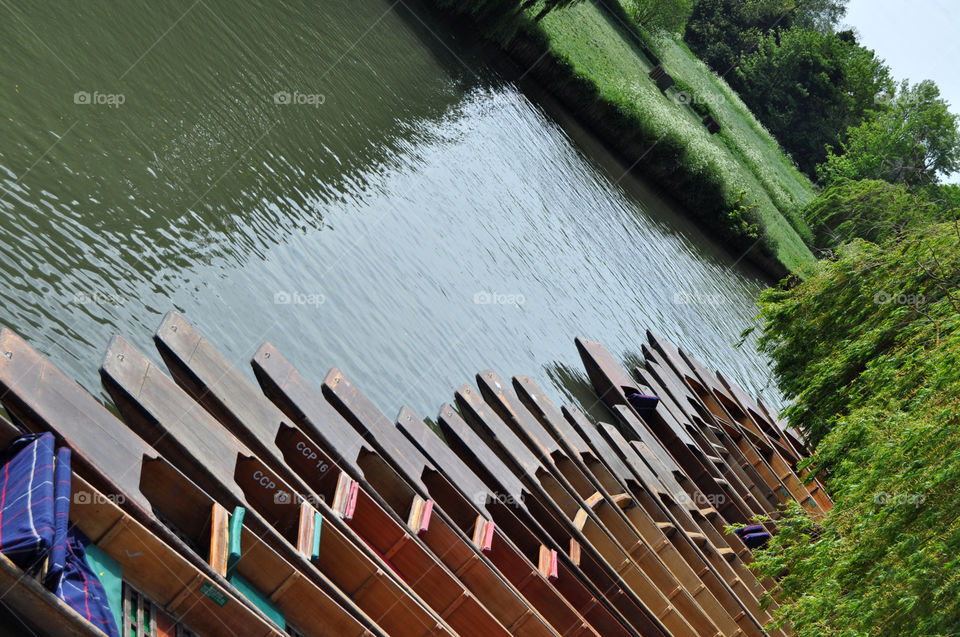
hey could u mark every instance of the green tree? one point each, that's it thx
(808, 88)
(720, 32)
(818, 15)
(915, 141)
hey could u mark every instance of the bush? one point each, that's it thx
(869, 348)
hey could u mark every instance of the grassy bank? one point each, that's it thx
(738, 183)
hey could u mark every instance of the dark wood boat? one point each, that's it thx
(718, 400)
(402, 480)
(644, 511)
(558, 532)
(312, 456)
(513, 543)
(630, 525)
(612, 384)
(200, 446)
(636, 565)
(41, 398)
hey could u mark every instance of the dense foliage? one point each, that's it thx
(869, 348)
(808, 88)
(915, 140)
(868, 209)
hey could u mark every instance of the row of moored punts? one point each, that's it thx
(214, 506)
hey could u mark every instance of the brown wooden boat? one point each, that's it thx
(196, 443)
(612, 383)
(635, 564)
(629, 524)
(558, 532)
(41, 398)
(701, 557)
(718, 400)
(513, 543)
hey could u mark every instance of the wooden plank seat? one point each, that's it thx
(200, 446)
(146, 562)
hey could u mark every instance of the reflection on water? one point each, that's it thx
(336, 180)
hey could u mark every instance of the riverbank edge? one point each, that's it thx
(526, 54)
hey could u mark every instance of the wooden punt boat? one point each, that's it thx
(511, 544)
(676, 394)
(41, 398)
(649, 381)
(244, 409)
(733, 435)
(312, 456)
(654, 485)
(41, 612)
(675, 480)
(713, 570)
(629, 524)
(403, 480)
(558, 532)
(612, 383)
(636, 565)
(196, 443)
(723, 406)
(778, 436)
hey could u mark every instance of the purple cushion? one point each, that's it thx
(26, 500)
(61, 517)
(80, 587)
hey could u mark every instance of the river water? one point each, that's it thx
(336, 178)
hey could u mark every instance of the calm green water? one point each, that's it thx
(332, 177)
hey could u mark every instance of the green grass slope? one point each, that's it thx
(744, 157)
